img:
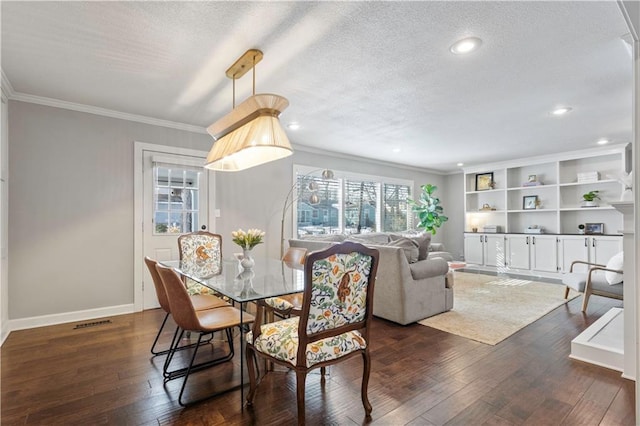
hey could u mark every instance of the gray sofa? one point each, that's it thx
(407, 289)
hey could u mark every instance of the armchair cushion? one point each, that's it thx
(280, 340)
(578, 281)
(615, 263)
(429, 268)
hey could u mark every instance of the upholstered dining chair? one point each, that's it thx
(290, 304)
(203, 322)
(204, 249)
(334, 323)
(593, 281)
(200, 302)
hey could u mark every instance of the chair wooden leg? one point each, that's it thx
(251, 366)
(585, 299)
(566, 292)
(301, 378)
(365, 382)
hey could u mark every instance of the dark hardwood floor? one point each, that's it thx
(420, 376)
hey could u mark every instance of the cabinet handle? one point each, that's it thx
(527, 240)
(481, 236)
(534, 240)
(586, 244)
(593, 242)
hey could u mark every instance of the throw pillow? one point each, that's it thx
(409, 246)
(423, 240)
(616, 262)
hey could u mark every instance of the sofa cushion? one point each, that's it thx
(370, 238)
(410, 247)
(423, 240)
(336, 238)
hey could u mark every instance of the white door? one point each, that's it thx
(473, 248)
(519, 251)
(494, 254)
(544, 253)
(573, 247)
(175, 192)
(604, 248)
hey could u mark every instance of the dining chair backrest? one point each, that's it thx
(338, 294)
(157, 283)
(182, 309)
(204, 250)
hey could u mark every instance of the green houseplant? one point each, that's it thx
(589, 199)
(428, 209)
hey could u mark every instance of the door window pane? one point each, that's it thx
(176, 200)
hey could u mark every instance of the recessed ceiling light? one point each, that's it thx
(466, 45)
(396, 149)
(561, 110)
(603, 142)
(293, 126)
(460, 164)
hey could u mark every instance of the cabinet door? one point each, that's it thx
(573, 247)
(519, 251)
(494, 254)
(473, 248)
(604, 248)
(544, 253)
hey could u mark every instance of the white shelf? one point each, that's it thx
(586, 209)
(486, 191)
(532, 211)
(516, 188)
(601, 181)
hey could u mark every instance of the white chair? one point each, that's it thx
(592, 281)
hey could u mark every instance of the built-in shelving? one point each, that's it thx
(559, 195)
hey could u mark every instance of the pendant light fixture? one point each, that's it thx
(251, 133)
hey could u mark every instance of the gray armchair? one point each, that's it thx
(590, 282)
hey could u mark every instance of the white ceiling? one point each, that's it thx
(362, 78)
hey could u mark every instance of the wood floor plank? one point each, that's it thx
(104, 374)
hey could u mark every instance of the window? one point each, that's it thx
(175, 207)
(350, 203)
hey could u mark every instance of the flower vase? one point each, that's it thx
(247, 261)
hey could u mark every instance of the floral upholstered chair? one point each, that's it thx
(204, 249)
(333, 325)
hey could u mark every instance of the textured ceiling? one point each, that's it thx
(362, 78)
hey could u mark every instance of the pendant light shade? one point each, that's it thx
(249, 135)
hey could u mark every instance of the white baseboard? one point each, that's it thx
(4, 332)
(44, 320)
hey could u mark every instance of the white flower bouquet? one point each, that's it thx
(247, 240)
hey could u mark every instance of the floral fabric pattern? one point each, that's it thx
(205, 259)
(339, 291)
(280, 340)
(278, 303)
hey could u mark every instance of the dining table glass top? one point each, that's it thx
(267, 278)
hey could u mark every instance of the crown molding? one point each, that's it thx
(305, 148)
(41, 100)
(6, 86)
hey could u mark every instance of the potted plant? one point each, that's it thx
(428, 209)
(589, 199)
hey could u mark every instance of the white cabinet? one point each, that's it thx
(484, 249)
(544, 253)
(518, 254)
(474, 248)
(588, 248)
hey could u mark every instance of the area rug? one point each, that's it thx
(489, 308)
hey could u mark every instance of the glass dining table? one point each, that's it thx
(267, 278)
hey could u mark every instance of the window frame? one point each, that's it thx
(342, 177)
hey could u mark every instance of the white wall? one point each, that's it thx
(454, 188)
(71, 205)
(4, 238)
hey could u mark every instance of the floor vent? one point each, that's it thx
(91, 324)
